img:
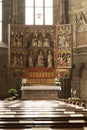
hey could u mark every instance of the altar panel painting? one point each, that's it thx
(19, 73)
(39, 36)
(17, 58)
(36, 51)
(62, 73)
(39, 46)
(64, 46)
(16, 47)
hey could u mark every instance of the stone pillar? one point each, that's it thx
(15, 11)
(62, 18)
(18, 11)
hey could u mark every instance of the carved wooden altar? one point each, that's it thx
(40, 53)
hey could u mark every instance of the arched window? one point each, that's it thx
(39, 12)
(0, 20)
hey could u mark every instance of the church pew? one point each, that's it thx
(45, 128)
(56, 121)
(60, 115)
(80, 102)
(52, 124)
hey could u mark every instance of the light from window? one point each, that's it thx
(39, 3)
(0, 31)
(39, 12)
(48, 3)
(28, 2)
(0, 20)
(48, 18)
(0, 11)
(29, 16)
(39, 16)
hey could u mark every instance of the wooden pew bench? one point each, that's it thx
(30, 114)
(79, 102)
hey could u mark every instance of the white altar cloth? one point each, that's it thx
(41, 87)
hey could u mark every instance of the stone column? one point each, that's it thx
(18, 11)
(62, 13)
(15, 11)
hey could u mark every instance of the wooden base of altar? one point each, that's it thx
(40, 92)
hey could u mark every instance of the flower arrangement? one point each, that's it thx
(12, 94)
(57, 81)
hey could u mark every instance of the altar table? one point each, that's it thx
(40, 92)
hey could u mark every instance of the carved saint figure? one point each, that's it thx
(49, 59)
(40, 40)
(30, 59)
(40, 59)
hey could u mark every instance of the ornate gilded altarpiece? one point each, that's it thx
(40, 51)
(63, 50)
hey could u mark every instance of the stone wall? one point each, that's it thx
(7, 79)
(78, 17)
